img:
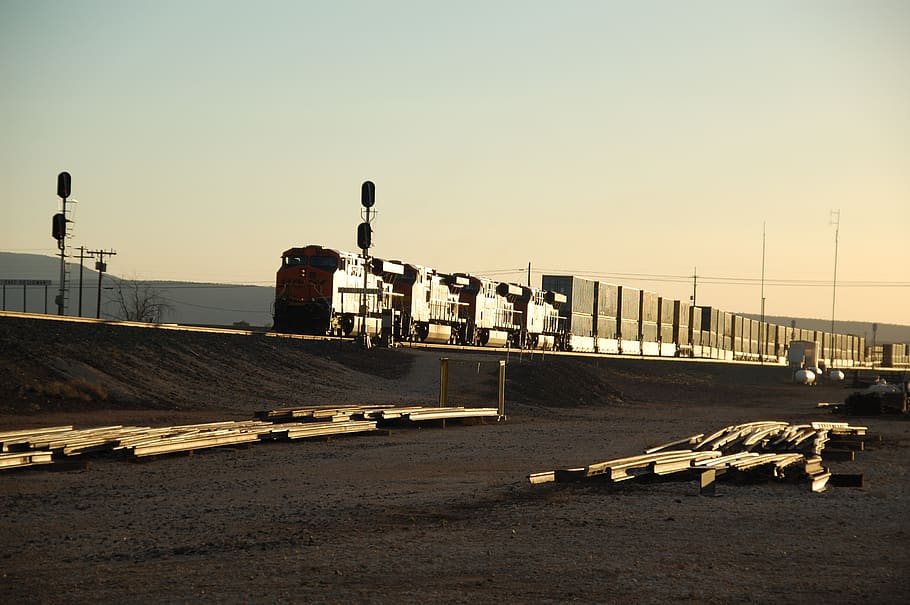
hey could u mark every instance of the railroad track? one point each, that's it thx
(890, 373)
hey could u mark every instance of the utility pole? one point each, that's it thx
(874, 342)
(762, 327)
(82, 256)
(529, 274)
(101, 267)
(835, 220)
(694, 285)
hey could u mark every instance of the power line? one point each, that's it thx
(180, 302)
(188, 285)
(706, 279)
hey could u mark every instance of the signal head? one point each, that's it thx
(367, 194)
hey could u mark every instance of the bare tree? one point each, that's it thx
(139, 301)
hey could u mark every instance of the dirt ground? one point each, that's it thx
(423, 515)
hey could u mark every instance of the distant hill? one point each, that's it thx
(886, 332)
(191, 302)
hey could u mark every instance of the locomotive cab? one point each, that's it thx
(320, 291)
(303, 290)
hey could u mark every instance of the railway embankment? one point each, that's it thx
(53, 366)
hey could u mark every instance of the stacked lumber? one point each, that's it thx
(12, 441)
(303, 430)
(379, 413)
(45, 445)
(425, 413)
(20, 459)
(316, 413)
(188, 438)
(768, 449)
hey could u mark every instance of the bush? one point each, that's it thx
(80, 389)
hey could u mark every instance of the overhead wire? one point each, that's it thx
(702, 279)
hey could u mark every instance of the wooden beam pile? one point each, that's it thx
(154, 442)
(20, 459)
(426, 413)
(380, 413)
(317, 413)
(768, 449)
(45, 445)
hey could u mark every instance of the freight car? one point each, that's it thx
(325, 291)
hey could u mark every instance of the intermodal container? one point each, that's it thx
(681, 310)
(607, 307)
(649, 314)
(695, 325)
(578, 290)
(629, 304)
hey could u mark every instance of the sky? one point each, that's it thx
(639, 143)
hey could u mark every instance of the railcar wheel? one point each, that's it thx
(423, 331)
(347, 325)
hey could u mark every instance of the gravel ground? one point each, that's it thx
(431, 514)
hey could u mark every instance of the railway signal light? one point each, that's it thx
(367, 194)
(63, 185)
(364, 236)
(58, 229)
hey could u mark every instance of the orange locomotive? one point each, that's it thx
(320, 291)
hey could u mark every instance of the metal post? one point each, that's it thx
(364, 240)
(443, 382)
(363, 299)
(905, 394)
(835, 213)
(101, 268)
(61, 243)
(502, 388)
(82, 256)
(761, 327)
(100, 274)
(874, 342)
(694, 285)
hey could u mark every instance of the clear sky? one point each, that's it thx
(625, 139)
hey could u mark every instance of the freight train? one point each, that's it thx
(323, 291)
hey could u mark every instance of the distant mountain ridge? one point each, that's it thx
(224, 304)
(886, 333)
(190, 302)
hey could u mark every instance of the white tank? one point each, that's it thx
(836, 375)
(804, 376)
